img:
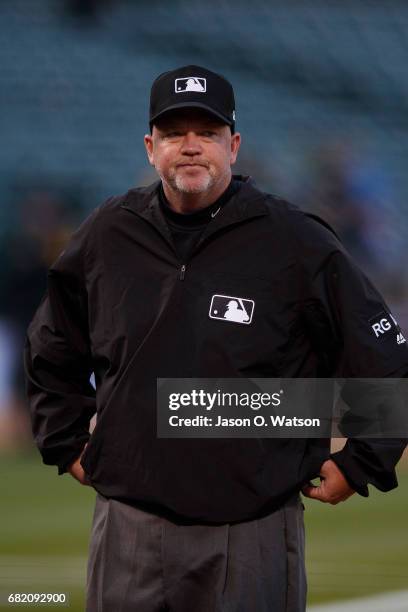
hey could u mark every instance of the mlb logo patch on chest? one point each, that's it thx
(231, 308)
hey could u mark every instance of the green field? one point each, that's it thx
(358, 547)
(354, 549)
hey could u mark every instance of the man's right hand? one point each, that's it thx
(77, 471)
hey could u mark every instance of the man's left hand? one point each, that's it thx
(333, 487)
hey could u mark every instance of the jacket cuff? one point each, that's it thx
(65, 460)
(351, 470)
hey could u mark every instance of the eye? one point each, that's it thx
(208, 133)
(172, 134)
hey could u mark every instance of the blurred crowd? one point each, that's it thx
(353, 193)
(44, 218)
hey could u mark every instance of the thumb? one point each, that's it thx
(311, 491)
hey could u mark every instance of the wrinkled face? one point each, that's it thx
(192, 151)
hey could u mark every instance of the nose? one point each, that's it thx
(191, 144)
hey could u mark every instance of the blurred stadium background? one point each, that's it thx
(322, 104)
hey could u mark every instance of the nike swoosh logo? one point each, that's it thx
(216, 212)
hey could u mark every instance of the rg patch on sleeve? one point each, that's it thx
(383, 325)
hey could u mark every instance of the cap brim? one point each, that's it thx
(209, 110)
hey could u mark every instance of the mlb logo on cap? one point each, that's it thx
(190, 84)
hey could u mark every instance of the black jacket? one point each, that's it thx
(120, 304)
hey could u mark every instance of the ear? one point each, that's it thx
(235, 144)
(148, 142)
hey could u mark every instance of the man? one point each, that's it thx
(200, 275)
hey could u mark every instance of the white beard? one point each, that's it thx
(182, 184)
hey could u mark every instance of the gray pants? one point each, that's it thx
(139, 562)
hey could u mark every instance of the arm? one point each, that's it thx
(341, 305)
(58, 359)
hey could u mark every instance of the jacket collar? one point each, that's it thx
(246, 203)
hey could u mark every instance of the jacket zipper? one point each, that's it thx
(197, 247)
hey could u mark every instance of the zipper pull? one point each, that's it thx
(182, 272)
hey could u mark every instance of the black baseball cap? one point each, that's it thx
(192, 87)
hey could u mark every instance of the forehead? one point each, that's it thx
(187, 117)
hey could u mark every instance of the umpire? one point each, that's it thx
(210, 525)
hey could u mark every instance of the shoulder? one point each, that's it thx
(97, 225)
(136, 197)
(295, 216)
(298, 224)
